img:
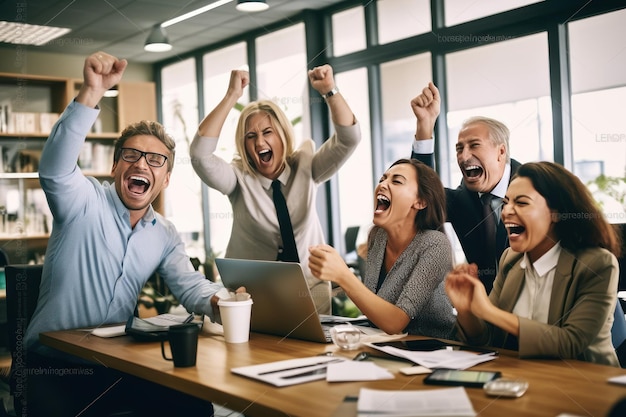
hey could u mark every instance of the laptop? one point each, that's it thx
(282, 302)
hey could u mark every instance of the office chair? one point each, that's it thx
(22, 292)
(4, 258)
(352, 233)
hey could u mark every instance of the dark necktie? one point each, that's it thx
(489, 223)
(289, 252)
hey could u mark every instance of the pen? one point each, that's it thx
(189, 319)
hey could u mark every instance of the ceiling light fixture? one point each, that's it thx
(251, 5)
(157, 40)
(194, 13)
(26, 34)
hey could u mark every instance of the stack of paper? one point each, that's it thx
(440, 402)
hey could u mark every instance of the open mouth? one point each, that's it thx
(138, 185)
(473, 171)
(382, 203)
(265, 155)
(515, 229)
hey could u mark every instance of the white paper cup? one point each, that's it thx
(236, 320)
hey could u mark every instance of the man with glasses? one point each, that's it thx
(106, 242)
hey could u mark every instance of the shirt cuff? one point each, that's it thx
(425, 146)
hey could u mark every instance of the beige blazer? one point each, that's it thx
(580, 317)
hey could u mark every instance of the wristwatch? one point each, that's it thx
(330, 93)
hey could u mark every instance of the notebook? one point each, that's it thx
(283, 305)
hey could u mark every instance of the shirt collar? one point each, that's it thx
(283, 178)
(544, 264)
(500, 189)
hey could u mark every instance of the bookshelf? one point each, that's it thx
(29, 106)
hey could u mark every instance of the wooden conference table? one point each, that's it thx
(555, 386)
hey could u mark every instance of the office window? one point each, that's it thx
(508, 81)
(217, 67)
(282, 74)
(356, 185)
(400, 19)
(401, 81)
(597, 61)
(348, 32)
(183, 199)
(459, 11)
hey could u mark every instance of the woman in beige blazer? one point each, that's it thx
(556, 288)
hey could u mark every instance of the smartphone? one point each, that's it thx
(465, 378)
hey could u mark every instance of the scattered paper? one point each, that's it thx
(110, 331)
(621, 379)
(440, 402)
(440, 358)
(290, 371)
(356, 371)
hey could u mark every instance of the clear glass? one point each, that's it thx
(459, 11)
(183, 198)
(217, 67)
(356, 185)
(597, 62)
(401, 19)
(401, 81)
(348, 29)
(508, 81)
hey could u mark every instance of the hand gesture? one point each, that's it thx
(101, 71)
(325, 263)
(239, 79)
(426, 108)
(466, 292)
(322, 79)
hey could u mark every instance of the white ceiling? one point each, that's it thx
(121, 27)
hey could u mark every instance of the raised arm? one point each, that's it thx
(335, 151)
(212, 124)
(213, 170)
(323, 81)
(426, 107)
(100, 72)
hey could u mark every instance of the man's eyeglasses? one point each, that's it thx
(133, 155)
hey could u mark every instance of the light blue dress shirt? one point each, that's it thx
(96, 264)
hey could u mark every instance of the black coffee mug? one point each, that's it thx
(183, 340)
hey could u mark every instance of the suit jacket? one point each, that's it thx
(464, 212)
(581, 308)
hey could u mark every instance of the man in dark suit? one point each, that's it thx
(482, 152)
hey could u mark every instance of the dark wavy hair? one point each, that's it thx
(430, 191)
(580, 224)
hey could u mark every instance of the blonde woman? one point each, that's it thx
(266, 153)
